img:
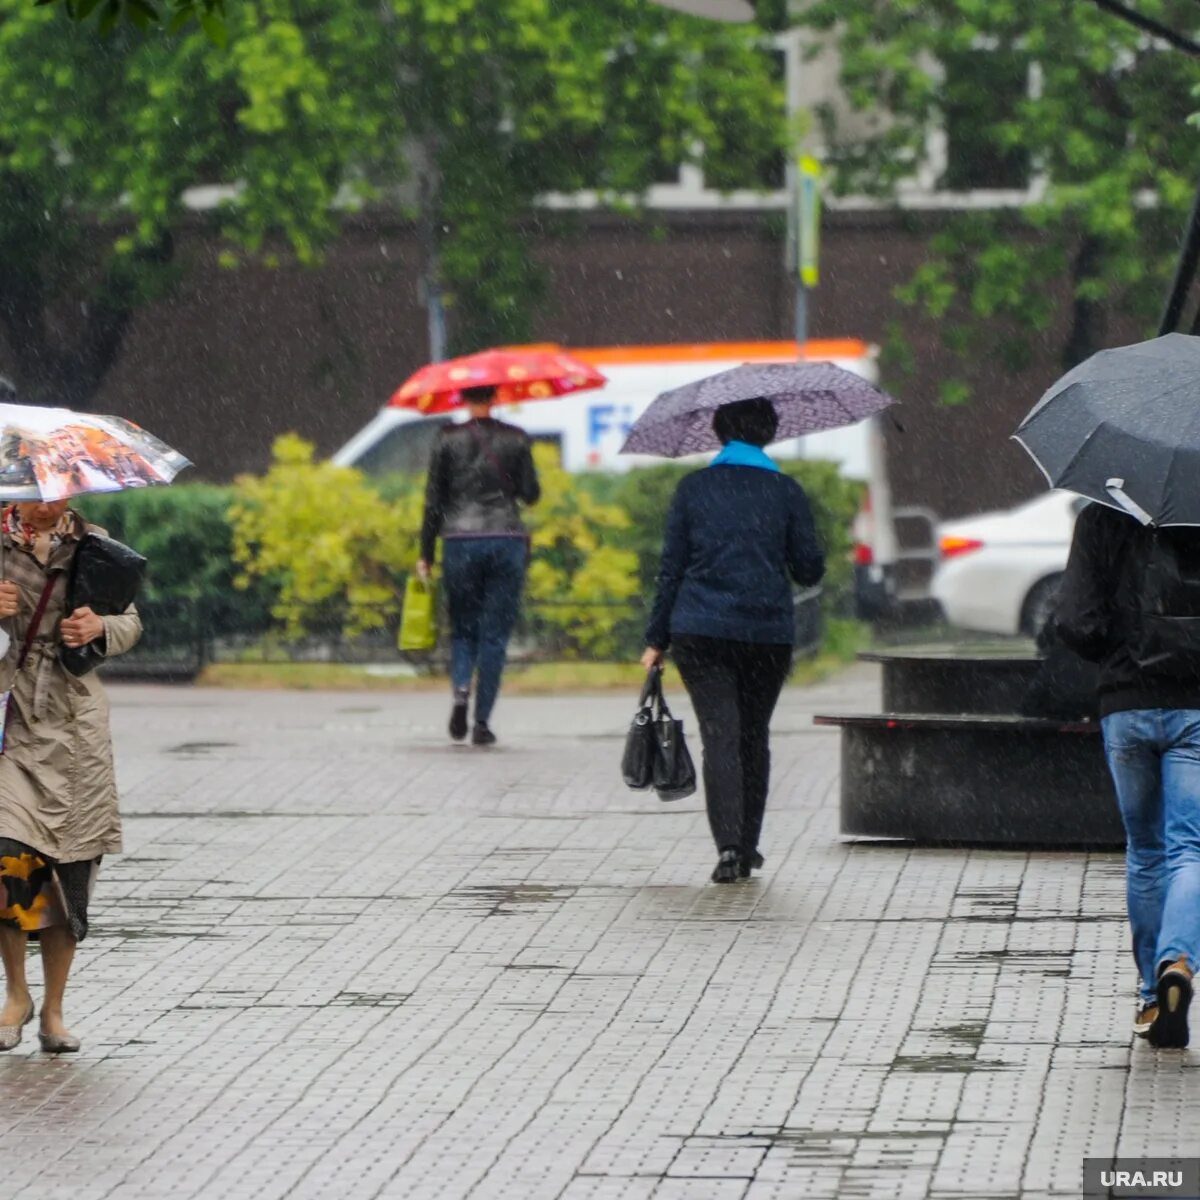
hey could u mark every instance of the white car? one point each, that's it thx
(999, 572)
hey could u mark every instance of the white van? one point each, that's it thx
(589, 428)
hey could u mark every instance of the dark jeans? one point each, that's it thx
(484, 578)
(734, 688)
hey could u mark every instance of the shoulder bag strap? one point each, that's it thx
(36, 624)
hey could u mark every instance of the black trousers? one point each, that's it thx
(734, 688)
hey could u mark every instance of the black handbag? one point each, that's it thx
(637, 763)
(105, 576)
(656, 752)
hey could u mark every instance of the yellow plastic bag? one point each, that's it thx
(418, 623)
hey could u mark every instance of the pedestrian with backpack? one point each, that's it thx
(1130, 601)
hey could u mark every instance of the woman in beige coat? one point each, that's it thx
(58, 796)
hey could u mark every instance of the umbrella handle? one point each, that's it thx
(1116, 489)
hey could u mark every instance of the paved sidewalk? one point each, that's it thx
(341, 958)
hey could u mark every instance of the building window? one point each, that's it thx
(981, 93)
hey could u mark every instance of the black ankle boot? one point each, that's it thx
(458, 719)
(728, 867)
(482, 735)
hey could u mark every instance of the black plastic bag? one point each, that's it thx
(656, 753)
(105, 577)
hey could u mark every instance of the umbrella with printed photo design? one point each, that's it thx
(53, 454)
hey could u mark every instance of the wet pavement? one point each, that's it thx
(341, 957)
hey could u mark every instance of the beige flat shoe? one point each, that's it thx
(59, 1043)
(10, 1035)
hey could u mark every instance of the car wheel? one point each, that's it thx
(1039, 605)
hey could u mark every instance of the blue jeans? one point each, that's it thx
(484, 578)
(1154, 757)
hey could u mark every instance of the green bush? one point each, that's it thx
(185, 534)
(585, 603)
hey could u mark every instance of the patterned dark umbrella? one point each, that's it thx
(808, 397)
(1123, 428)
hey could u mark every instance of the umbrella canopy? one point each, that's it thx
(517, 375)
(1123, 428)
(808, 398)
(53, 454)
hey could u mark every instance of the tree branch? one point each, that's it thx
(1148, 25)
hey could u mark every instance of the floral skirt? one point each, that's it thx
(37, 893)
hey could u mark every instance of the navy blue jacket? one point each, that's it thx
(736, 539)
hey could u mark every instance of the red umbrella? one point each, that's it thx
(519, 374)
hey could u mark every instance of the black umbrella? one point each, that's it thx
(1123, 428)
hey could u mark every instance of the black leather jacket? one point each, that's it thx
(479, 475)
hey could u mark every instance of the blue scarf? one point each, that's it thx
(742, 454)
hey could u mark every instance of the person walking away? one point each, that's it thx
(480, 475)
(1130, 601)
(738, 535)
(58, 794)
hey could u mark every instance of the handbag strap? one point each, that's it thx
(653, 695)
(36, 624)
(651, 689)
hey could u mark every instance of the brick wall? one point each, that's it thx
(233, 358)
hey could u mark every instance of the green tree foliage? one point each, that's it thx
(100, 138)
(505, 102)
(147, 14)
(479, 106)
(1104, 123)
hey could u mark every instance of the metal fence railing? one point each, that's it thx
(182, 637)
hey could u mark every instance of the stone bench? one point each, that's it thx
(982, 778)
(955, 679)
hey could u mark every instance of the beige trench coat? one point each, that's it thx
(58, 790)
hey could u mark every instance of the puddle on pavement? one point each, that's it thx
(1050, 963)
(968, 1033)
(104, 932)
(199, 748)
(942, 1064)
(226, 814)
(504, 899)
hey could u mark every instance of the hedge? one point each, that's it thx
(186, 533)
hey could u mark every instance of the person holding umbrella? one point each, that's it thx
(481, 475)
(58, 796)
(738, 536)
(1123, 429)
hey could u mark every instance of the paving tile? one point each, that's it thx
(341, 957)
